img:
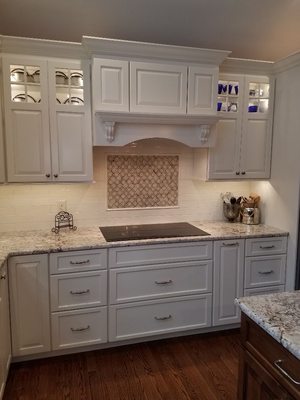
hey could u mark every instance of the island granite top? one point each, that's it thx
(278, 314)
(35, 242)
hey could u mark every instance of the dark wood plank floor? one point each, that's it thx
(202, 367)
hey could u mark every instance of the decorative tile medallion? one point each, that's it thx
(139, 181)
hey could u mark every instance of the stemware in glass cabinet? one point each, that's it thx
(69, 86)
(228, 96)
(259, 94)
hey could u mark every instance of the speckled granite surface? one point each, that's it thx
(278, 314)
(30, 242)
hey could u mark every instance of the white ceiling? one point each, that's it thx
(258, 29)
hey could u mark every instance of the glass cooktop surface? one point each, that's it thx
(150, 231)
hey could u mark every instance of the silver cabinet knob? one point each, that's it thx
(237, 173)
(3, 276)
(48, 175)
(243, 173)
(55, 175)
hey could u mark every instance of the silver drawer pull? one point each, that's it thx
(86, 328)
(266, 272)
(79, 262)
(267, 247)
(278, 364)
(230, 244)
(163, 282)
(3, 276)
(80, 291)
(163, 318)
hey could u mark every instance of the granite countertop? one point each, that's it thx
(278, 314)
(31, 242)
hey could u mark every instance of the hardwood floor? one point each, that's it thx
(201, 367)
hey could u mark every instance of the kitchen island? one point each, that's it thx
(270, 352)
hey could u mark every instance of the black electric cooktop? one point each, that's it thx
(150, 231)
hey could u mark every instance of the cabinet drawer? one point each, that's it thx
(72, 261)
(141, 283)
(263, 290)
(265, 246)
(79, 328)
(156, 254)
(78, 290)
(263, 271)
(157, 317)
(268, 352)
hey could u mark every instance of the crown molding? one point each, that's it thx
(287, 63)
(105, 47)
(41, 47)
(246, 66)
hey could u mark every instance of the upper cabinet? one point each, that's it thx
(244, 131)
(202, 94)
(47, 120)
(110, 85)
(154, 88)
(158, 88)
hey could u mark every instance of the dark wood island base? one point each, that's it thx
(267, 371)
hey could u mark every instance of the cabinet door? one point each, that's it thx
(70, 121)
(5, 348)
(224, 156)
(202, 97)
(257, 128)
(158, 88)
(110, 85)
(228, 280)
(29, 302)
(26, 119)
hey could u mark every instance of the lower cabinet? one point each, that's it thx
(29, 304)
(87, 297)
(228, 280)
(78, 292)
(5, 347)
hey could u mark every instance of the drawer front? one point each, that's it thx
(263, 271)
(264, 290)
(72, 261)
(141, 283)
(265, 246)
(155, 317)
(78, 290)
(79, 328)
(157, 254)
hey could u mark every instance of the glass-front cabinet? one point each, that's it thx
(48, 123)
(243, 133)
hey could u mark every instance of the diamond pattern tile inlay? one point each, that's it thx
(139, 181)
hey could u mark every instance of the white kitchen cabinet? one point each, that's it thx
(47, 119)
(158, 88)
(228, 280)
(110, 83)
(202, 83)
(29, 304)
(5, 345)
(2, 159)
(244, 132)
(78, 287)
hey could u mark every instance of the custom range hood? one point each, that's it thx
(146, 90)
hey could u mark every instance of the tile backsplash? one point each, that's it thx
(33, 206)
(141, 181)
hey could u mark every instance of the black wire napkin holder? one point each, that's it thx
(63, 219)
